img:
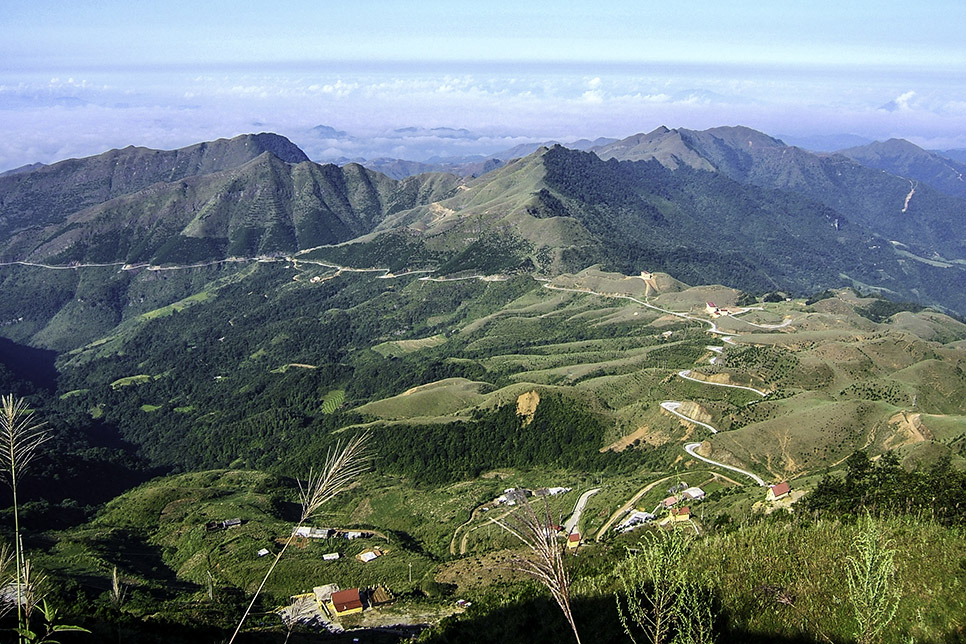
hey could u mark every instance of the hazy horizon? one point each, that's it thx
(79, 80)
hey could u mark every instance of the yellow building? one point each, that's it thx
(347, 602)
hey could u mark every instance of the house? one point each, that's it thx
(512, 496)
(634, 519)
(712, 310)
(332, 556)
(213, 526)
(573, 540)
(369, 555)
(312, 533)
(346, 602)
(677, 515)
(693, 493)
(262, 552)
(354, 534)
(779, 491)
(551, 491)
(668, 502)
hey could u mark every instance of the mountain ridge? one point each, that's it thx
(42, 195)
(919, 217)
(905, 159)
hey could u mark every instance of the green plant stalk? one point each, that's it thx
(18, 552)
(20, 441)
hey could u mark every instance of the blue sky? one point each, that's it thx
(78, 78)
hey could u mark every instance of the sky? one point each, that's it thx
(418, 79)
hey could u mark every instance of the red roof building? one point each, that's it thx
(347, 601)
(776, 492)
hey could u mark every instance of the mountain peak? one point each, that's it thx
(277, 144)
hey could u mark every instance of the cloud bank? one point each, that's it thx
(459, 111)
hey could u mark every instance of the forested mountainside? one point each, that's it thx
(900, 208)
(904, 159)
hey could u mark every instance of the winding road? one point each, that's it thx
(574, 520)
(624, 509)
(713, 327)
(686, 374)
(673, 406)
(691, 448)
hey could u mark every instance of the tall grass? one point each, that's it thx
(872, 581)
(660, 596)
(20, 438)
(545, 559)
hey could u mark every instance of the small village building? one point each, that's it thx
(332, 556)
(712, 310)
(262, 552)
(779, 491)
(346, 602)
(668, 502)
(677, 515)
(573, 540)
(693, 493)
(369, 555)
(551, 491)
(635, 518)
(380, 596)
(354, 534)
(213, 526)
(512, 496)
(312, 533)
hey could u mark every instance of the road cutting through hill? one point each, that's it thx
(686, 374)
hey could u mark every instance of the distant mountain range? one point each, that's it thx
(902, 158)
(471, 166)
(725, 205)
(902, 208)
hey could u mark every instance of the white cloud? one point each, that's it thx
(903, 100)
(46, 118)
